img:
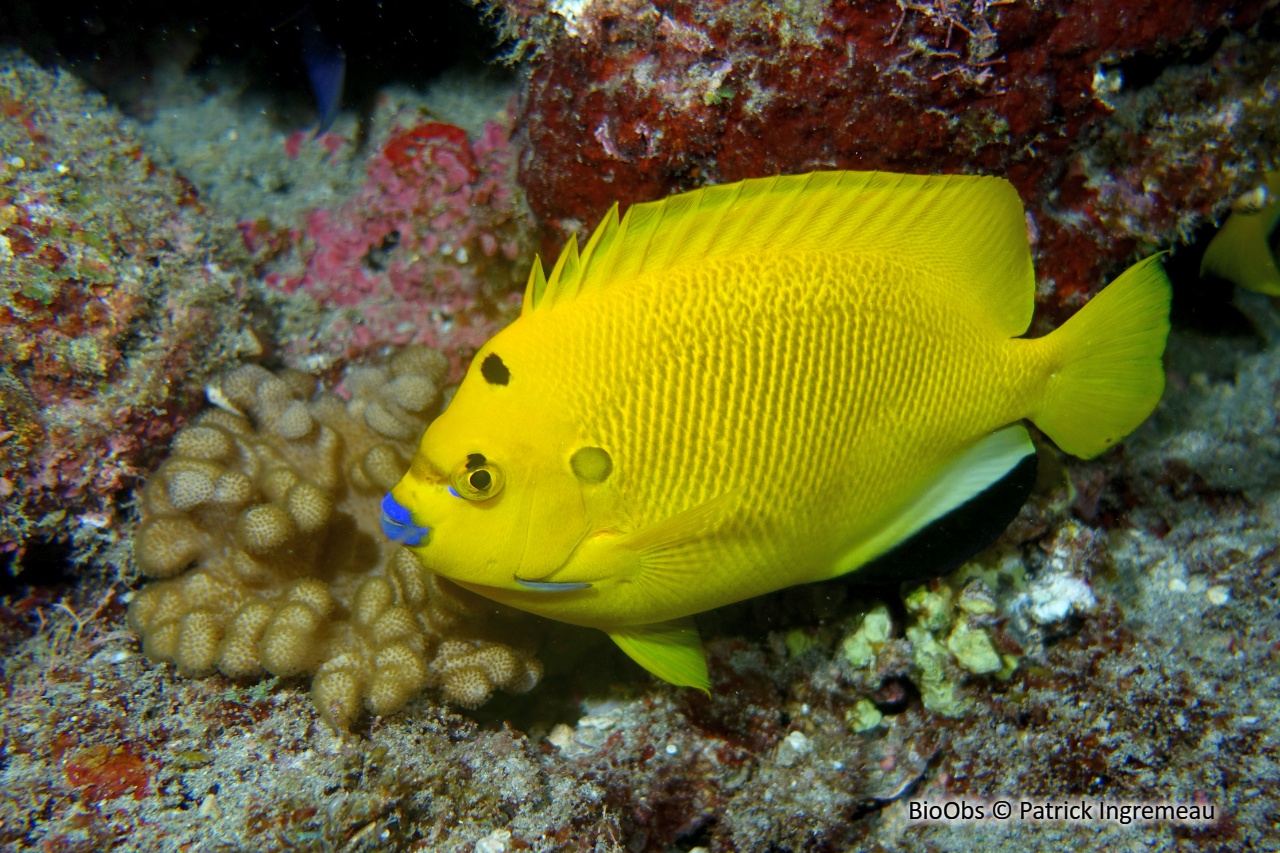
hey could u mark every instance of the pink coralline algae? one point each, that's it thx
(426, 251)
(631, 100)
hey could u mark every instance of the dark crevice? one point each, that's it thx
(122, 48)
(45, 564)
(1141, 70)
(1202, 305)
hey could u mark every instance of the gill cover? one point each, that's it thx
(488, 501)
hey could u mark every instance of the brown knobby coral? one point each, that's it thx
(262, 530)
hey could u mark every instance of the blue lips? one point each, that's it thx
(398, 526)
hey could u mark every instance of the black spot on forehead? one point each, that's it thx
(474, 461)
(494, 371)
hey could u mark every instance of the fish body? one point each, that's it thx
(758, 385)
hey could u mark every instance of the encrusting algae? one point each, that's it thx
(272, 495)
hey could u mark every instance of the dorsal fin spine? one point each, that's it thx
(536, 287)
(602, 235)
(562, 284)
(721, 199)
(598, 246)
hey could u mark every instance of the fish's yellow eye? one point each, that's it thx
(477, 479)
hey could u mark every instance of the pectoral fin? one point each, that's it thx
(676, 550)
(670, 650)
(665, 555)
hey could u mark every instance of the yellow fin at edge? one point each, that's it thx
(1241, 250)
(969, 232)
(670, 650)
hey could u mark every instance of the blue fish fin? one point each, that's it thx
(974, 471)
(326, 69)
(670, 650)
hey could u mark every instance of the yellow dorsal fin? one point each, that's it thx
(566, 280)
(602, 240)
(970, 230)
(562, 284)
(536, 287)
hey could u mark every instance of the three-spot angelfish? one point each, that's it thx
(757, 385)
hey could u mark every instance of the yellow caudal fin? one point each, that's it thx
(1107, 374)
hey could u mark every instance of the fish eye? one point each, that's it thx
(476, 479)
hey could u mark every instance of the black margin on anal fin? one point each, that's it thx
(945, 543)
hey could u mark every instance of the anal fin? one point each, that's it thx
(944, 544)
(996, 460)
(670, 650)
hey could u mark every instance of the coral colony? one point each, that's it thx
(274, 497)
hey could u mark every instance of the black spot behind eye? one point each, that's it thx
(494, 371)
(480, 480)
(475, 460)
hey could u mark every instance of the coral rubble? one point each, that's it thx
(274, 497)
(118, 291)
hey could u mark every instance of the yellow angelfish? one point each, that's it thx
(757, 385)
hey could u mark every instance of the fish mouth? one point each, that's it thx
(398, 526)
